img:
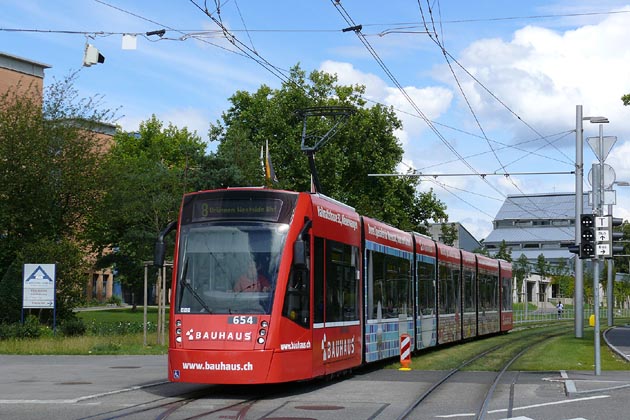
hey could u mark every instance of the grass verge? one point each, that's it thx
(116, 331)
(561, 352)
(131, 344)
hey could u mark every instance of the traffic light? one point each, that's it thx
(605, 236)
(615, 236)
(587, 237)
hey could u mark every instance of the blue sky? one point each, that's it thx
(532, 62)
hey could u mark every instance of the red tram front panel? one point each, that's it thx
(388, 282)
(220, 331)
(336, 285)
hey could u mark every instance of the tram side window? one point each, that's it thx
(389, 279)
(318, 280)
(494, 292)
(488, 292)
(506, 294)
(426, 287)
(469, 291)
(342, 285)
(297, 304)
(448, 288)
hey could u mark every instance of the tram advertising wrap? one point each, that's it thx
(276, 286)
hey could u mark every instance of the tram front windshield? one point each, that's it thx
(228, 268)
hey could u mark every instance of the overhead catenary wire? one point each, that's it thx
(184, 34)
(218, 13)
(384, 67)
(434, 37)
(483, 175)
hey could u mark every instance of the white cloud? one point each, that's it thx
(619, 160)
(375, 87)
(542, 74)
(433, 101)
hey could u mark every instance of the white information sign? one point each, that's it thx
(603, 250)
(39, 286)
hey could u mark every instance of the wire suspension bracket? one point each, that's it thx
(339, 115)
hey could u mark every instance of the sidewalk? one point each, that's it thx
(583, 382)
(618, 339)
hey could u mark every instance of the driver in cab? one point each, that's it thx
(252, 280)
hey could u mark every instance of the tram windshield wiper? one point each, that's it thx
(186, 284)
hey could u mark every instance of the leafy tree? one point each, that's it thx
(626, 99)
(504, 252)
(542, 266)
(365, 144)
(622, 292)
(48, 150)
(562, 277)
(521, 270)
(145, 175)
(449, 233)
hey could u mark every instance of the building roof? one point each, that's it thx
(550, 254)
(540, 206)
(544, 219)
(22, 65)
(465, 240)
(532, 234)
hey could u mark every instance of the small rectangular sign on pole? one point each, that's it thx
(39, 286)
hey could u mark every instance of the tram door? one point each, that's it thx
(336, 298)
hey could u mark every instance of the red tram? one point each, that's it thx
(338, 289)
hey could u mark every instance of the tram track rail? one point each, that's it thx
(234, 402)
(483, 408)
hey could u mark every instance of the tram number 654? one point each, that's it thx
(243, 320)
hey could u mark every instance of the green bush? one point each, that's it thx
(115, 300)
(119, 328)
(73, 327)
(7, 331)
(30, 329)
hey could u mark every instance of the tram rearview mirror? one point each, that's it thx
(299, 254)
(158, 254)
(160, 249)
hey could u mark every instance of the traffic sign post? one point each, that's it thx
(601, 177)
(602, 237)
(39, 288)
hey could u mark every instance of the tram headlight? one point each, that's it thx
(178, 323)
(261, 340)
(264, 324)
(178, 331)
(178, 339)
(262, 332)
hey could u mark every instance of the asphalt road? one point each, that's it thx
(107, 387)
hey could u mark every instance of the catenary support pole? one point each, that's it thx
(578, 300)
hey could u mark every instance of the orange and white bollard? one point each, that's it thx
(405, 352)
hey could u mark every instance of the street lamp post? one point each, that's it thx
(579, 207)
